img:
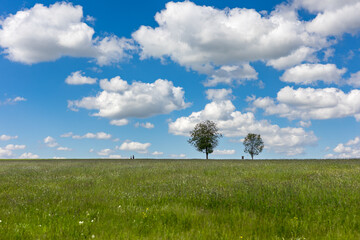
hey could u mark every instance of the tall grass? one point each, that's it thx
(173, 199)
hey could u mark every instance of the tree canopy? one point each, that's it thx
(253, 144)
(205, 137)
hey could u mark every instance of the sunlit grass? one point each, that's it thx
(173, 199)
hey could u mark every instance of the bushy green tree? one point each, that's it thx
(253, 144)
(205, 137)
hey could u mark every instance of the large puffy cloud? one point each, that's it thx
(120, 100)
(312, 73)
(333, 18)
(351, 149)
(310, 103)
(337, 20)
(47, 33)
(206, 39)
(232, 123)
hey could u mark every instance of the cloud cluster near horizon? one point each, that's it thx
(351, 149)
(232, 123)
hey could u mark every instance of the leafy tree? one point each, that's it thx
(205, 137)
(253, 144)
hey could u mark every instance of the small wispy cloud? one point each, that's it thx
(144, 125)
(99, 135)
(12, 101)
(7, 137)
(224, 152)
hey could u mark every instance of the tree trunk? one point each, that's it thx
(207, 154)
(252, 156)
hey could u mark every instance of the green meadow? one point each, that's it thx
(179, 199)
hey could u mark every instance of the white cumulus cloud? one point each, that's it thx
(14, 147)
(227, 74)
(116, 156)
(312, 73)
(157, 153)
(315, 6)
(222, 43)
(120, 100)
(337, 21)
(50, 141)
(305, 124)
(28, 155)
(135, 146)
(354, 79)
(7, 151)
(44, 33)
(294, 58)
(219, 94)
(77, 78)
(99, 135)
(181, 155)
(224, 152)
(351, 149)
(105, 152)
(68, 134)
(144, 125)
(64, 149)
(311, 103)
(4, 137)
(119, 122)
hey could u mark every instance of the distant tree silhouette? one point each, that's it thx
(253, 144)
(205, 137)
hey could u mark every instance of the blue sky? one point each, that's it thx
(80, 79)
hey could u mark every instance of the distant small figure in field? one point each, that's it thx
(253, 144)
(133, 157)
(205, 137)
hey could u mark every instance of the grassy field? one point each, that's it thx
(179, 199)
